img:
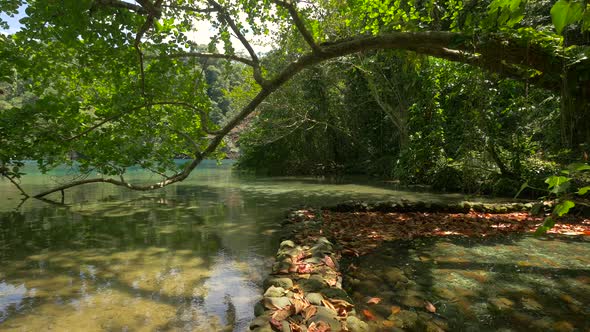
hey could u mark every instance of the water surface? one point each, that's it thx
(187, 257)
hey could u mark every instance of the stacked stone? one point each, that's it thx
(304, 291)
(420, 206)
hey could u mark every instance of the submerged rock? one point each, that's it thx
(356, 325)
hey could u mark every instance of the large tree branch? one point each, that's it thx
(299, 24)
(439, 44)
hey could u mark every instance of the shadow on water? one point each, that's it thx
(508, 283)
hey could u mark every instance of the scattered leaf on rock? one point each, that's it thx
(395, 309)
(429, 306)
(309, 312)
(368, 314)
(374, 300)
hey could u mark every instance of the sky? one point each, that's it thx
(202, 34)
(12, 21)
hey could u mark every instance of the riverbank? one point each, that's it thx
(424, 267)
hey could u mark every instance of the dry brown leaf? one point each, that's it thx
(332, 281)
(319, 327)
(328, 304)
(282, 314)
(329, 262)
(374, 300)
(429, 306)
(309, 312)
(299, 304)
(369, 315)
(388, 323)
(395, 309)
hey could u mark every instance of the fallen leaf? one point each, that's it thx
(319, 327)
(329, 262)
(369, 315)
(395, 309)
(328, 304)
(388, 323)
(429, 306)
(299, 304)
(309, 312)
(374, 300)
(282, 314)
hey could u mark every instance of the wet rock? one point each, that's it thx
(356, 325)
(382, 310)
(501, 304)
(285, 283)
(273, 291)
(260, 322)
(563, 326)
(368, 287)
(328, 316)
(430, 326)
(312, 285)
(530, 304)
(444, 293)
(276, 302)
(405, 319)
(314, 298)
(285, 326)
(287, 244)
(394, 275)
(259, 309)
(336, 293)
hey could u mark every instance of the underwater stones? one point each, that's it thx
(284, 283)
(405, 319)
(501, 304)
(563, 326)
(394, 275)
(530, 304)
(368, 286)
(273, 291)
(356, 325)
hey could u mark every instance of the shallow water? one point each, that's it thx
(187, 257)
(515, 283)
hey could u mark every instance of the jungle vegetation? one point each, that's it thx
(474, 96)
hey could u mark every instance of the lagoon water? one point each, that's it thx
(191, 256)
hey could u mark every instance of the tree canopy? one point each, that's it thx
(120, 83)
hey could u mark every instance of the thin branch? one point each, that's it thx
(16, 185)
(211, 56)
(152, 8)
(225, 16)
(299, 24)
(101, 123)
(255, 61)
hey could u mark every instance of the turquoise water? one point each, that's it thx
(187, 257)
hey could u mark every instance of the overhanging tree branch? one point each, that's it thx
(299, 24)
(121, 4)
(211, 56)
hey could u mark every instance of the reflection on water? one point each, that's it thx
(188, 257)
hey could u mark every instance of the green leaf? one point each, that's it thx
(557, 184)
(523, 187)
(547, 225)
(566, 12)
(563, 208)
(584, 190)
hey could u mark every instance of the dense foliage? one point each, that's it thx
(110, 84)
